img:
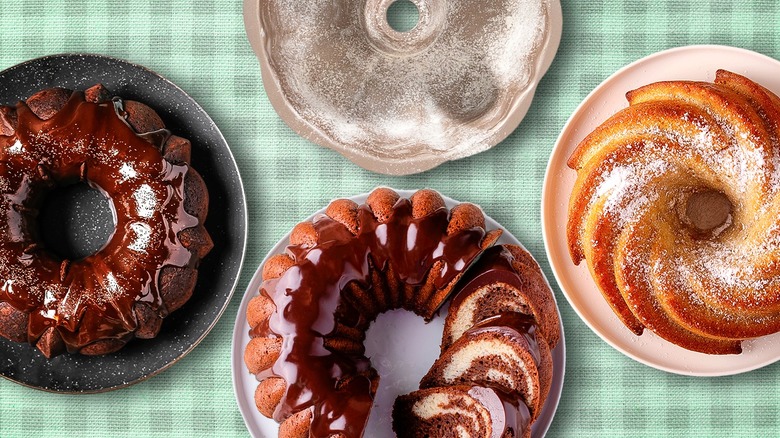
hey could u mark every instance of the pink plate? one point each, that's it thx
(684, 63)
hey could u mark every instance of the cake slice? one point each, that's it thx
(459, 411)
(504, 352)
(505, 279)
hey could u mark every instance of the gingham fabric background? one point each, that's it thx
(201, 46)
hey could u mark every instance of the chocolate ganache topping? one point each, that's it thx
(507, 411)
(495, 267)
(89, 299)
(517, 325)
(308, 294)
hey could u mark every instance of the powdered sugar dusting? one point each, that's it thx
(16, 148)
(146, 201)
(127, 172)
(627, 188)
(718, 272)
(143, 236)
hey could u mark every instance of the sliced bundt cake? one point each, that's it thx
(505, 352)
(494, 339)
(354, 262)
(341, 270)
(506, 279)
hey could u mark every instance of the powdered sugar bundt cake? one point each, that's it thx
(148, 267)
(674, 210)
(344, 268)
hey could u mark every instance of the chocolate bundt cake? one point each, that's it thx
(341, 270)
(146, 270)
(674, 211)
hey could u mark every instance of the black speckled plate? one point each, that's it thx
(227, 224)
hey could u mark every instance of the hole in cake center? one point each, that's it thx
(403, 16)
(708, 211)
(402, 347)
(75, 221)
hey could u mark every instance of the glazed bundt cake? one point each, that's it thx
(341, 270)
(674, 210)
(146, 270)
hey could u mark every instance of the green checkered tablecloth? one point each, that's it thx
(201, 46)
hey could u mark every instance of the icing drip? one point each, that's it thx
(308, 295)
(506, 411)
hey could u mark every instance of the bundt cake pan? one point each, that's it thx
(697, 63)
(401, 366)
(400, 103)
(226, 223)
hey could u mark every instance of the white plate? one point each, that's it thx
(684, 63)
(400, 365)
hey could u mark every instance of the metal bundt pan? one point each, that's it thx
(401, 103)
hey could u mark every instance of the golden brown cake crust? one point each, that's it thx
(296, 426)
(381, 202)
(261, 353)
(628, 217)
(345, 212)
(425, 201)
(268, 394)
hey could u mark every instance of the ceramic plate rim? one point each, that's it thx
(553, 234)
(238, 369)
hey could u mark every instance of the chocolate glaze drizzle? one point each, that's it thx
(307, 297)
(495, 265)
(90, 299)
(507, 411)
(514, 324)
